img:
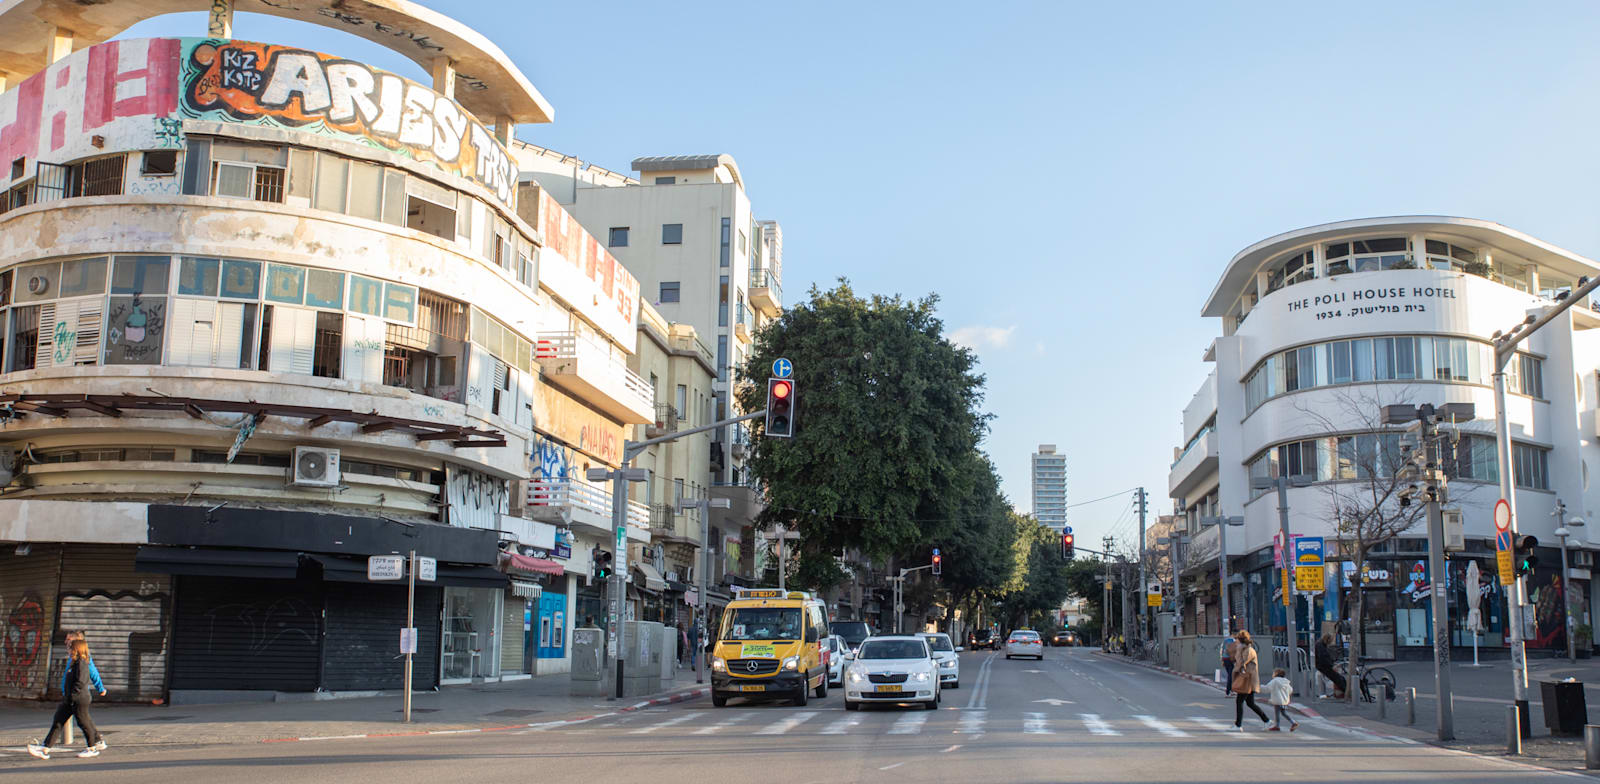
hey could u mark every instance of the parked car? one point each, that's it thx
(894, 669)
(838, 652)
(949, 662)
(1064, 638)
(1025, 642)
(983, 638)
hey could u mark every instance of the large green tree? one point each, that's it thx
(886, 429)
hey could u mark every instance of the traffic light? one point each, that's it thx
(1066, 546)
(938, 562)
(780, 408)
(1526, 560)
(602, 565)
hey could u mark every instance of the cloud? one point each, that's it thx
(979, 336)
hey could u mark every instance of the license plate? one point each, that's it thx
(752, 688)
(889, 688)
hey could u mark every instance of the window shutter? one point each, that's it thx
(91, 317)
(192, 331)
(230, 334)
(305, 341)
(294, 335)
(363, 348)
(43, 356)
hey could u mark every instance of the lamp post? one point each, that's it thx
(1174, 541)
(1283, 483)
(1562, 533)
(703, 568)
(1222, 524)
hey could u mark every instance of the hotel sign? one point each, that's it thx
(1361, 301)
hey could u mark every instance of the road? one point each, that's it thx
(1075, 716)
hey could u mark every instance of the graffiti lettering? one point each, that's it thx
(549, 460)
(24, 635)
(239, 71)
(422, 41)
(267, 622)
(66, 339)
(476, 500)
(367, 345)
(169, 132)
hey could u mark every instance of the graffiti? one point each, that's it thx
(550, 460)
(169, 132)
(422, 41)
(128, 632)
(599, 441)
(153, 186)
(432, 411)
(475, 500)
(367, 345)
(267, 623)
(23, 639)
(294, 88)
(580, 270)
(66, 340)
(137, 326)
(221, 21)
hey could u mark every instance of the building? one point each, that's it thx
(265, 313)
(1050, 487)
(1323, 325)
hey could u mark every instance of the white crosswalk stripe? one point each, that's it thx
(842, 726)
(1035, 724)
(1162, 727)
(1215, 726)
(972, 722)
(679, 719)
(784, 725)
(1096, 725)
(909, 724)
(724, 724)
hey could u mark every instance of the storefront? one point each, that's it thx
(535, 612)
(471, 625)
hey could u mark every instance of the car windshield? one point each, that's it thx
(940, 643)
(894, 649)
(763, 623)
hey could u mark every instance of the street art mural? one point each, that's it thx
(110, 97)
(135, 330)
(280, 86)
(24, 644)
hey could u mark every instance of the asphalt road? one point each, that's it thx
(1075, 716)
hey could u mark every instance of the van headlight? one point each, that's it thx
(718, 665)
(792, 663)
(948, 664)
(921, 677)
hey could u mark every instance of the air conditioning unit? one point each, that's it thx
(740, 451)
(314, 466)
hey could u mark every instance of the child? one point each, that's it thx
(1279, 693)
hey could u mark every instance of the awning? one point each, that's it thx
(652, 578)
(207, 562)
(354, 570)
(470, 577)
(513, 562)
(526, 590)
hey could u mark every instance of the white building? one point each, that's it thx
(1050, 487)
(1322, 325)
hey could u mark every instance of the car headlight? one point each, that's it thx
(948, 664)
(791, 663)
(718, 665)
(921, 677)
(855, 676)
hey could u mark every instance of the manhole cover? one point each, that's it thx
(163, 718)
(419, 710)
(513, 712)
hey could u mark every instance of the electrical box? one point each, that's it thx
(1454, 536)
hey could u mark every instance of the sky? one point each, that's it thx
(1070, 179)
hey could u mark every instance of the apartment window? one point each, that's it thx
(722, 357)
(24, 337)
(618, 238)
(1532, 466)
(1527, 375)
(159, 163)
(682, 401)
(329, 345)
(666, 180)
(99, 177)
(671, 234)
(722, 302)
(727, 229)
(669, 291)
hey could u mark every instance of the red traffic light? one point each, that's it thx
(780, 389)
(1067, 539)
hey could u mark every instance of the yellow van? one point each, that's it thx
(770, 646)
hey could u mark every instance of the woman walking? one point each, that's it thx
(76, 683)
(1227, 665)
(1246, 680)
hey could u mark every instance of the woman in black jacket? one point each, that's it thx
(76, 683)
(1325, 665)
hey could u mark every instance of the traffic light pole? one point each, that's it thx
(900, 594)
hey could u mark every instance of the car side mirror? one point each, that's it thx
(959, 649)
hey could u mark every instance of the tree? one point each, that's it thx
(1044, 583)
(886, 426)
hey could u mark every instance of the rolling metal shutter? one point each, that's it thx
(28, 587)
(125, 616)
(361, 650)
(235, 633)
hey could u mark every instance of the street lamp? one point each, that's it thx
(1566, 589)
(1174, 540)
(704, 505)
(1283, 483)
(1222, 524)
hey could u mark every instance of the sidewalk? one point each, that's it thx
(478, 707)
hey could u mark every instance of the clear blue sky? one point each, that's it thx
(1070, 179)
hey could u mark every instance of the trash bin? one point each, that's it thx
(1565, 710)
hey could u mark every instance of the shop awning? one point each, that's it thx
(526, 590)
(471, 577)
(354, 570)
(652, 578)
(210, 562)
(513, 562)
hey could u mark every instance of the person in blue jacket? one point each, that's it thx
(81, 676)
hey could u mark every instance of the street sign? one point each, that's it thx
(408, 640)
(1288, 594)
(1108, 586)
(1502, 515)
(386, 567)
(427, 569)
(1503, 554)
(782, 367)
(1066, 529)
(1153, 595)
(1308, 564)
(1308, 579)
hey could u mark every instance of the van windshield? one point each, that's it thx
(763, 623)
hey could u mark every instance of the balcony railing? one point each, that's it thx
(602, 380)
(666, 421)
(766, 291)
(576, 502)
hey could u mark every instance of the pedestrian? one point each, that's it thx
(1279, 693)
(1325, 665)
(76, 683)
(1246, 680)
(1228, 644)
(694, 645)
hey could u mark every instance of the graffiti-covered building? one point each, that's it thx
(266, 312)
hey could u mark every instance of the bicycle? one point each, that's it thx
(1367, 677)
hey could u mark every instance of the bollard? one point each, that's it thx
(1591, 747)
(1411, 705)
(67, 731)
(1383, 705)
(1514, 731)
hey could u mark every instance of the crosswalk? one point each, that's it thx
(971, 723)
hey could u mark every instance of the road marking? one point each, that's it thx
(1162, 727)
(1093, 724)
(1034, 724)
(1214, 725)
(952, 748)
(668, 723)
(909, 724)
(724, 724)
(842, 726)
(1055, 701)
(972, 723)
(780, 727)
(891, 767)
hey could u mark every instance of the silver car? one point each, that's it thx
(838, 657)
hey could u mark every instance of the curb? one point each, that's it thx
(666, 699)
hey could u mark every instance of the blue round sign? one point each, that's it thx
(782, 368)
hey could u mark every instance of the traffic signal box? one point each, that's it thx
(780, 408)
(1067, 549)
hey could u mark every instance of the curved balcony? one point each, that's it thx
(1197, 462)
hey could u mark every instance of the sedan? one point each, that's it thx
(945, 653)
(1025, 642)
(1063, 639)
(897, 669)
(838, 653)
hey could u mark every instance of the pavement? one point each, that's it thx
(485, 707)
(1074, 716)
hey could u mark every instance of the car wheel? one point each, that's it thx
(801, 696)
(822, 687)
(848, 705)
(1008, 657)
(719, 701)
(932, 704)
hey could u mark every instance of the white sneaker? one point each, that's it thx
(101, 746)
(89, 752)
(39, 751)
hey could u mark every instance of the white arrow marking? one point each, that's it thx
(1055, 701)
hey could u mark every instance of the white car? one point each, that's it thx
(949, 662)
(895, 669)
(1025, 642)
(838, 658)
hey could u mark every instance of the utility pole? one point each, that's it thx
(701, 570)
(1105, 622)
(1144, 576)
